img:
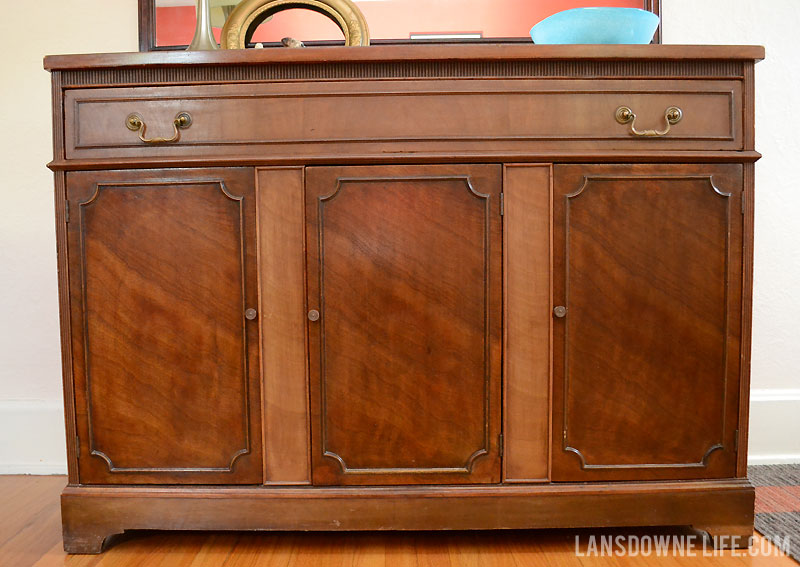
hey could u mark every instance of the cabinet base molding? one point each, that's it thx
(723, 509)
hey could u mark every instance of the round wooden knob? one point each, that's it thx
(250, 314)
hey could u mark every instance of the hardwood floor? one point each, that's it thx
(30, 535)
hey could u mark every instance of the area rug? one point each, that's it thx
(778, 504)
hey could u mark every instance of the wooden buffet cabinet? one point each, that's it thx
(405, 287)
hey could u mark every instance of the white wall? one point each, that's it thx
(31, 421)
(775, 407)
(31, 418)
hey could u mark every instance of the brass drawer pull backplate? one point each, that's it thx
(135, 122)
(672, 115)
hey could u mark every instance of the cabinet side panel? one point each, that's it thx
(66, 334)
(748, 218)
(283, 327)
(61, 218)
(527, 316)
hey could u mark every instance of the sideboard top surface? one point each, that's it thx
(405, 53)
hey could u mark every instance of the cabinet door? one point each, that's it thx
(647, 262)
(162, 270)
(404, 291)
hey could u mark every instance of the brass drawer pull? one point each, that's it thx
(136, 123)
(672, 115)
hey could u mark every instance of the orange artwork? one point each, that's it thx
(391, 19)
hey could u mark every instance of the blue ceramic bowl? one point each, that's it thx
(597, 25)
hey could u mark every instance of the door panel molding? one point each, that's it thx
(703, 461)
(104, 455)
(484, 450)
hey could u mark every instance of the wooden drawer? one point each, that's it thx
(364, 118)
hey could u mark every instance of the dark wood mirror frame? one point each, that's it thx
(147, 30)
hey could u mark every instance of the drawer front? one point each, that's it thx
(351, 118)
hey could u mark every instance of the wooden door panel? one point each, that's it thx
(647, 356)
(404, 267)
(166, 365)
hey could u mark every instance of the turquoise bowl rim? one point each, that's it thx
(624, 9)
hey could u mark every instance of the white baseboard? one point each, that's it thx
(38, 469)
(32, 432)
(773, 459)
(774, 426)
(32, 437)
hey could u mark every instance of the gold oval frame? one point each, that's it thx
(244, 19)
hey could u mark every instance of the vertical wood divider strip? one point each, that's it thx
(282, 298)
(527, 342)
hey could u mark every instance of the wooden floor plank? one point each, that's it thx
(30, 534)
(434, 550)
(21, 506)
(544, 548)
(30, 522)
(401, 551)
(261, 549)
(215, 550)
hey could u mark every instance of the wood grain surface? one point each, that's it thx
(162, 268)
(648, 266)
(404, 268)
(281, 239)
(93, 514)
(527, 347)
